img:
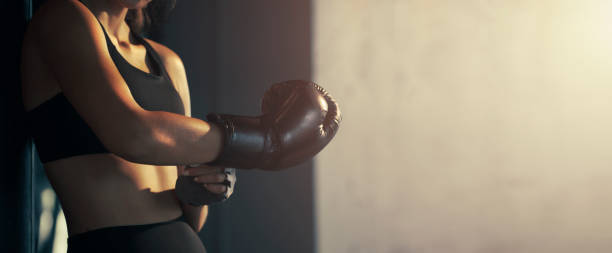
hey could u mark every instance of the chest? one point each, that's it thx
(136, 55)
(147, 79)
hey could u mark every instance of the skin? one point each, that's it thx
(64, 50)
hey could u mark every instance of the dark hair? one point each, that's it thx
(142, 21)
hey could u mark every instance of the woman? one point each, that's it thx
(99, 189)
(109, 112)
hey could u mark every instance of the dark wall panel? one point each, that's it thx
(16, 178)
(260, 43)
(233, 51)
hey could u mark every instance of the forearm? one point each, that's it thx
(173, 139)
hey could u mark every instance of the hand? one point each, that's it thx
(202, 185)
(211, 178)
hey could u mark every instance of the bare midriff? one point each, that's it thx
(105, 190)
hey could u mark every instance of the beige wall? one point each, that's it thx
(469, 126)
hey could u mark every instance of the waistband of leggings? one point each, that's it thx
(107, 230)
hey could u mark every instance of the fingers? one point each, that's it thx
(216, 188)
(211, 178)
(214, 179)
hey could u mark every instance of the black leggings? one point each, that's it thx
(169, 236)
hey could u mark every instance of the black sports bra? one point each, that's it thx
(59, 131)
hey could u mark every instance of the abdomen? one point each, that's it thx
(104, 190)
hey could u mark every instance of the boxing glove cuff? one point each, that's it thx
(245, 141)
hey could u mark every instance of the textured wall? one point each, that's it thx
(469, 126)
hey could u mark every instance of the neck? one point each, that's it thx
(112, 16)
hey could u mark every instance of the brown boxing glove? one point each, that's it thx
(299, 119)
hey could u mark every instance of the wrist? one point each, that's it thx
(244, 142)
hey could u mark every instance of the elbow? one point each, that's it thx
(198, 219)
(195, 216)
(197, 227)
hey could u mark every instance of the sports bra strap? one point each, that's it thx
(159, 66)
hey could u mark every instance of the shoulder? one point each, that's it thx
(176, 70)
(66, 27)
(63, 17)
(171, 60)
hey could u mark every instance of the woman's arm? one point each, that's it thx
(74, 48)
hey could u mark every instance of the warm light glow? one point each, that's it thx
(469, 126)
